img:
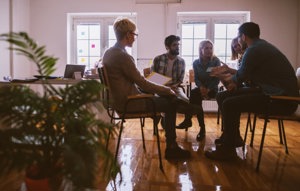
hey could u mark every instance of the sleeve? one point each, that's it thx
(247, 65)
(197, 73)
(213, 82)
(182, 72)
(153, 67)
(131, 72)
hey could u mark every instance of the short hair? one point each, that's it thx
(170, 39)
(250, 29)
(122, 26)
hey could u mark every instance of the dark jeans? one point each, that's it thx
(166, 105)
(232, 104)
(170, 106)
(196, 99)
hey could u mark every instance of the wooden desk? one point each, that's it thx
(59, 81)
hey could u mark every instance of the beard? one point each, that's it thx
(174, 52)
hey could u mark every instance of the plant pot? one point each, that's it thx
(37, 185)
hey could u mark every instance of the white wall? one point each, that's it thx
(4, 54)
(278, 19)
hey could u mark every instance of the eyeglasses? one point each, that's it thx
(134, 34)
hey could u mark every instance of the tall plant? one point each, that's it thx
(57, 131)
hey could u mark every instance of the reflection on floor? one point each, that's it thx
(140, 169)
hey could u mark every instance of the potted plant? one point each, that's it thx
(54, 134)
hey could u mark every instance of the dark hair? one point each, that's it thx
(170, 39)
(250, 29)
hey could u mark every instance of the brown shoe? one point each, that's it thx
(222, 153)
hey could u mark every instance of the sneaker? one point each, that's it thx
(239, 142)
(221, 153)
(185, 124)
(177, 153)
(200, 136)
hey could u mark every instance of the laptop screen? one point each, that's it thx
(71, 68)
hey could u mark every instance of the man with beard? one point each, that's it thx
(268, 69)
(171, 65)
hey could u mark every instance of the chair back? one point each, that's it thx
(146, 72)
(191, 76)
(104, 81)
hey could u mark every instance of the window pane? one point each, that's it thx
(83, 60)
(232, 30)
(94, 31)
(187, 31)
(187, 47)
(220, 31)
(200, 31)
(94, 48)
(224, 33)
(88, 43)
(192, 34)
(82, 32)
(82, 47)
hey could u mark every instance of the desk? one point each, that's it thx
(50, 81)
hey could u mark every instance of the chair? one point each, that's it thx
(280, 118)
(123, 115)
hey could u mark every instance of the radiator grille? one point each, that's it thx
(210, 106)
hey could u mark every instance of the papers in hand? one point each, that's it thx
(158, 78)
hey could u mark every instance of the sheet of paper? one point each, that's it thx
(158, 78)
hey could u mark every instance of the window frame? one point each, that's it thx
(104, 19)
(210, 19)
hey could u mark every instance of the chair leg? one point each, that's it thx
(284, 137)
(218, 116)
(249, 121)
(142, 120)
(261, 144)
(158, 147)
(279, 130)
(253, 130)
(119, 139)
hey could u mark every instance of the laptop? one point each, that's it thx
(72, 68)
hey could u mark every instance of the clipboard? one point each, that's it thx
(158, 78)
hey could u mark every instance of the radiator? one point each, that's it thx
(210, 106)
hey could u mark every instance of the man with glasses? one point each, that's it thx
(125, 78)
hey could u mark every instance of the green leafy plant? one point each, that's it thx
(56, 132)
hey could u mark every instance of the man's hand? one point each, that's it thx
(219, 70)
(231, 85)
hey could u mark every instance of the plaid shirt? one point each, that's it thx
(178, 71)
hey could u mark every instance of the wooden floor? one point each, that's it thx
(140, 170)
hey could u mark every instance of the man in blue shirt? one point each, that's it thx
(266, 68)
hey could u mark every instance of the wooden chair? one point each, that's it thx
(125, 114)
(280, 118)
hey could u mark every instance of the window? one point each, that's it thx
(219, 27)
(90, 35)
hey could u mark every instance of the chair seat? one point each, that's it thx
(136, 115)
